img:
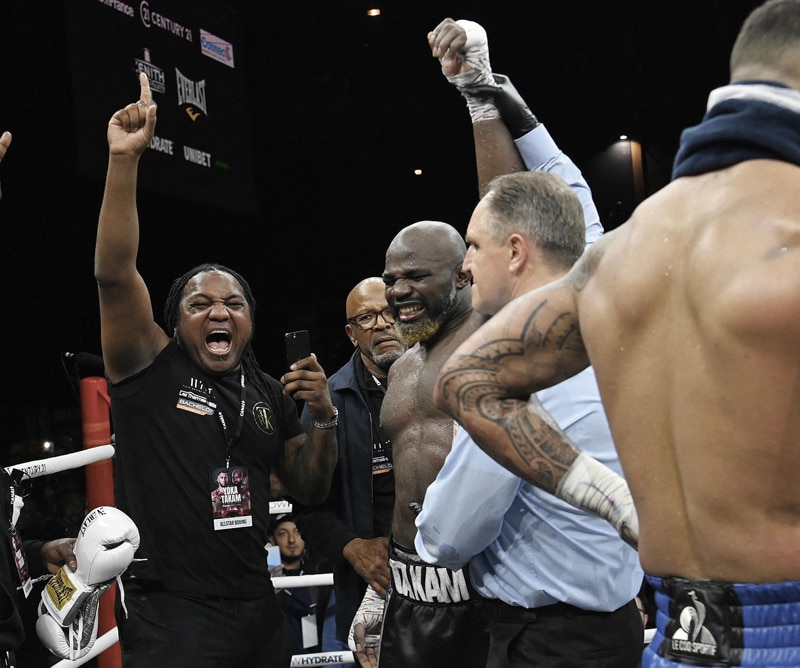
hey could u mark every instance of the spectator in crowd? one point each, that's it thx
(304, 607)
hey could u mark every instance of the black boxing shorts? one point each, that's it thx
(432, 618)
(707, 623)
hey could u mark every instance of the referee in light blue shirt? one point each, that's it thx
(561, 583)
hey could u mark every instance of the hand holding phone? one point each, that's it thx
(298, 346)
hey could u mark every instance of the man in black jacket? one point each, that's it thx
(352, 527)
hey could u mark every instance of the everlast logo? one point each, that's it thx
(430, 584)
(60, 589)
(91, 517)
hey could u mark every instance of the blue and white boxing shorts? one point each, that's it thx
(707, 623)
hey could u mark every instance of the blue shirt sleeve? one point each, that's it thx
(540, 153)
(464, 506)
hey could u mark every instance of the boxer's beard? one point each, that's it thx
(423, 331)
(417, 332)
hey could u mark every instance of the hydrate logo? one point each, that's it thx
(162, 145)
(318, 659)
(216, 48)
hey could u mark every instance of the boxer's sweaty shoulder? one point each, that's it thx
(692, 320)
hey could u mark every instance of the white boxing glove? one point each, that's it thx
(74, 640)
(104, 548)
(370, 616)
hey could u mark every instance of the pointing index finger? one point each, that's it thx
(145, 95)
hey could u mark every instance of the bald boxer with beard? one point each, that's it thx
(433, 616)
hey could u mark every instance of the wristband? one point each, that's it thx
(328, 424)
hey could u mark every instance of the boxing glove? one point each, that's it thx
(104, 548)
(76, 639)
(370, 616)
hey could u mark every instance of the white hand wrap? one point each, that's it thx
(370, 615)
(475, 53)
(106, 543)
(592, 486)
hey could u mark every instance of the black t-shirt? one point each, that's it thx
(169, 441)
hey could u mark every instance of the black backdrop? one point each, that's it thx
(321, 123)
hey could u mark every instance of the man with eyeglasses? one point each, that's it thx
(352, 527)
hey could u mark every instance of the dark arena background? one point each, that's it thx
(287, 142)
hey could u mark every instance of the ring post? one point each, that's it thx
(96, 420)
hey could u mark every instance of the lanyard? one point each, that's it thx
(230, 441)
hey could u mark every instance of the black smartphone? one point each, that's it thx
(298, 346)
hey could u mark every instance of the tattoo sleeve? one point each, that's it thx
(489, 390)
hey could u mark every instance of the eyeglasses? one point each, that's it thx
(369, 319)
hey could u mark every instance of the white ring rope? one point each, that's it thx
(61, 463)
(100, 645)
(110, 637)
(292, 581)
(41, 467)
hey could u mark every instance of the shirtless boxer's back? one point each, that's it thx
(692, 321)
